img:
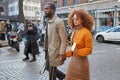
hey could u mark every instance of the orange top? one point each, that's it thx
(83, 40)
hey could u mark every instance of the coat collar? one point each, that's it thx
(53, 19)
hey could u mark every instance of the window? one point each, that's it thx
(64, 2)
(12, 8)
(112, 30)
(55, 2)
(118, 30)
(75, 1)
(1, 9)
(106, 18)
(30, 8)
(1, 0)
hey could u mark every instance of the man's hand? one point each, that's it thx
(62, 57)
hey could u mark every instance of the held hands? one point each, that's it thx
(62, 57)
(69, 53)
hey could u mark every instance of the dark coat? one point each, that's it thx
(31, 45)
(9, 27)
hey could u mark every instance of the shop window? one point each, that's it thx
(106, 18)
(118, 17)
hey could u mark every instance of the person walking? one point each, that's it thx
(57, 42)
(2, 30)
(9, 28)
(31, 45)
(81, 45)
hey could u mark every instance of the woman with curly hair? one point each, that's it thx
(81, 44)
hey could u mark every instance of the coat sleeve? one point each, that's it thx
(68, 53)
(63, 37)
(88, 46)
(25, 31)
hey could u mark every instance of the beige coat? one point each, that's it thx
(57, 40)
(2, 27)
(79, 65)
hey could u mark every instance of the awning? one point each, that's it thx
(11, 18)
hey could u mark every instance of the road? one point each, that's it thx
(104, 64)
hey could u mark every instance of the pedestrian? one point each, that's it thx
(81, 45)
(2, 30)
(9, 28)
(31, 45)
(57, 41)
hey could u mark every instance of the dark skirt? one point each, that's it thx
(31, 48)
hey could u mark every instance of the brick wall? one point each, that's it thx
(60, 2)
(5, 7)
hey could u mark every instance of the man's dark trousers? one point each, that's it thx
(54, 73)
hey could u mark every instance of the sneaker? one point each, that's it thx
(26, 58)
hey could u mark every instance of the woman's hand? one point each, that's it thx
(69, 53)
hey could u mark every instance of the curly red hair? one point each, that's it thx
(88, 20)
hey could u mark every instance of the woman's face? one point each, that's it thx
(77, 21)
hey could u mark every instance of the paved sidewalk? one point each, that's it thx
(3, 43)
(15, 69)
(104, 64)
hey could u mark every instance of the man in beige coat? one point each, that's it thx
(57, 41)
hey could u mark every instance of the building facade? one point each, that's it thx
(3, 9)
(31, 9)
(105, 12)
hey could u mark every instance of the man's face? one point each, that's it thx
(48, 11)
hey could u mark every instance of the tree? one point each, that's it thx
(21, 15)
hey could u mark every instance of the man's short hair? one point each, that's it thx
(52, 6)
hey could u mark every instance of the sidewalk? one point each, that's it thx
(13, 68)
(103, 64)
(3, 43)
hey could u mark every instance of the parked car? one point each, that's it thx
(102, 28)
(112, 34)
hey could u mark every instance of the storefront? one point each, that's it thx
(108, 17)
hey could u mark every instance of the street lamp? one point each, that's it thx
(115, 15)
(95, 16)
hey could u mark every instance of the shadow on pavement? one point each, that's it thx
(112, 42)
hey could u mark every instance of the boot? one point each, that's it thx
(34, 59)
(26, 58)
